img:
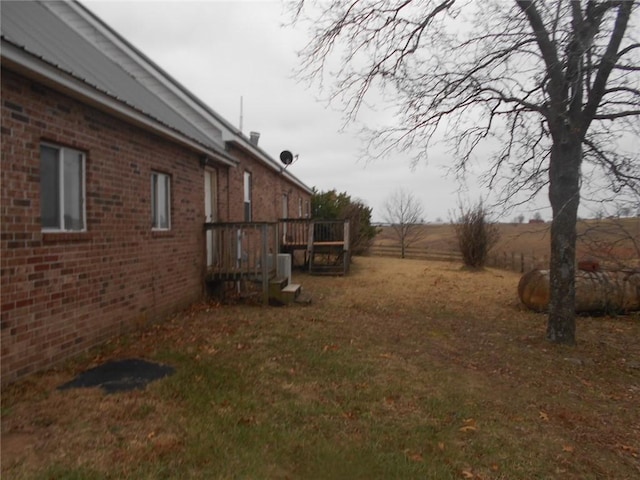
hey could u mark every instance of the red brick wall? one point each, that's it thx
(267, 192)
(63, 293)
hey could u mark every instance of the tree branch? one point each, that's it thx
(606, 66)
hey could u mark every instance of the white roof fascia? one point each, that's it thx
(17, 59)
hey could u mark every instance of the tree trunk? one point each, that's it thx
(564, 196)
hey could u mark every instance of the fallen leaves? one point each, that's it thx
(414, 456)
(470, 474)
(469, 425)
(629, 449)
(350, 415)
(544, 416)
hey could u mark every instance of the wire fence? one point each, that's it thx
(514, 261)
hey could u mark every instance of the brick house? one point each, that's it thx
(110, 169)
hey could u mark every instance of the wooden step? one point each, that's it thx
(283, 293)
(290, 292)
(327, 270)
(276, 285)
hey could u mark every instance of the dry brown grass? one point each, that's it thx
(402, 369)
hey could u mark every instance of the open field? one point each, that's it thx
(614, 241)
(403, 369)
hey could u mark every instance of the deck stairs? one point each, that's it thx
(328, 260)
(281, 292)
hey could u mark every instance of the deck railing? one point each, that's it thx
(248, 250)
(331, 231)
(242, 251)
(304, 231)
(294, 231)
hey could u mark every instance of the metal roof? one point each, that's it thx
(35, 29)
(70, 39)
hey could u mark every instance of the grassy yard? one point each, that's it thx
(403, 369)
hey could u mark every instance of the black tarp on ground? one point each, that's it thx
(120, 375)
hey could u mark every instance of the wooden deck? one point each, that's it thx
(241, 251)
(324, 244)
(247, 251)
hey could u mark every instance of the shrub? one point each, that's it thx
(476, 235)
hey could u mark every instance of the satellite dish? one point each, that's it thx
(286, 157)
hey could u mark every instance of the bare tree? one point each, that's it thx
(550, 89)
(404, 212)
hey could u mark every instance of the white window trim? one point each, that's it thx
(83, 201)
(247, 196)
(154, 202)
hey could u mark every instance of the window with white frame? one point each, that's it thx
(160, 201)
(299, 207)
(247, 197)
(62, 189)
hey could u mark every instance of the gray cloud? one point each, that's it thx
(221, 51)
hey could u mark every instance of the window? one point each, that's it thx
(299, 207)
(160, 201)
(247, 196)
(307, 209)
(62, 189)
(285, 205)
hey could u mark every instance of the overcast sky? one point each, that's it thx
(224, 50)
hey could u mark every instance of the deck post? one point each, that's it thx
(265, 264)
(346, 235)
(310, 243)
(346, 249)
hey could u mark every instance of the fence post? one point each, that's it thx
(521, 262)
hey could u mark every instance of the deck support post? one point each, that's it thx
(345, 249)
(310, 243)
(265, 263)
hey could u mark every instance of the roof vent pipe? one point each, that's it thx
(254, 137)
